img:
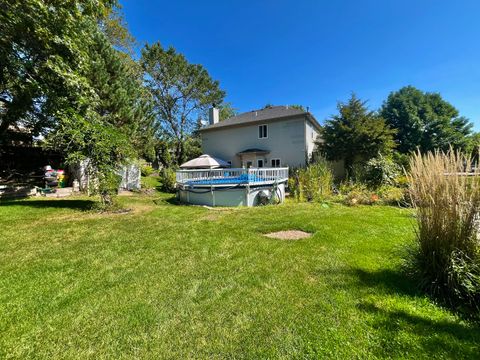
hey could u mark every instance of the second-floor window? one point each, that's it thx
(275, 162)
(262, 132)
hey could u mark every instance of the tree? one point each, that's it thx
(181, 93)
(227, 111)
(62, 77)
(43, 51)
(294, 106)
(111, 123)
(355, 133)
(473, 147)
(101, 145)
(298, 107)
(123, 101)
(115, 27)
(425, 121)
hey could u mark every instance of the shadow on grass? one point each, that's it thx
(436, 336)
(393, 282)
(172, 200)
(16, 193)
(83, 205)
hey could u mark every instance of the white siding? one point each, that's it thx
(285, 141)
(311, 135)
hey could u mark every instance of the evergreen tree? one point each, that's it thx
(105, 130)
(355, 133)
(123, 101)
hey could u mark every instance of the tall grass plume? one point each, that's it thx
(445, 190)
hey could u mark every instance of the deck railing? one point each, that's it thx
(254, 174)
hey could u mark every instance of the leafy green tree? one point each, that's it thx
(63, 78)
(163, 153)
(227, 111)
(473, 146)
(112, 124)
(115, 27)
(425, 121)
(43, 52)
(101, 145)
(181, 92)
(298, 107)
(355, 133)
(102, 115)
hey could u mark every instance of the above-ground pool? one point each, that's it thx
(232, 187)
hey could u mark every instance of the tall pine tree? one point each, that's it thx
(355, 133)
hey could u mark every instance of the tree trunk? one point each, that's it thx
(3, 128)
(107, 199)
(348, 164)
(180, 152)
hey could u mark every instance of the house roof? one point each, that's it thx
(253, 151)
(263, 115)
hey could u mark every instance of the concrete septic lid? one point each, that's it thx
(289, 235)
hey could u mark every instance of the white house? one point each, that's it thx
(276, 136)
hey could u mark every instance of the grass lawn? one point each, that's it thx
(151, 182)
(169, 281)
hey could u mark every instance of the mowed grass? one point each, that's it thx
(170, 281)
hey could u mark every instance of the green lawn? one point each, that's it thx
(151, 182)
(170, 281)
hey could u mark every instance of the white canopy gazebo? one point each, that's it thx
(205, 161)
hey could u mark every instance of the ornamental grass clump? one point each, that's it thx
(313, 183)
(447, 200)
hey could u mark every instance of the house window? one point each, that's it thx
(260, 163)
(276, 163)
(262, 132)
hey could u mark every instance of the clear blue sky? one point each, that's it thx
(315, 53)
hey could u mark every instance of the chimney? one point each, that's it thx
(214, 115)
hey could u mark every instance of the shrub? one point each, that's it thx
(352, 193)
(357, 194)
(168, 180)
(377, 171)
(106, 186)
(402, 181)
(313, 183)
(448, 205)
(402, 160)
(151, 182)
(147, 170)
(392, 195)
